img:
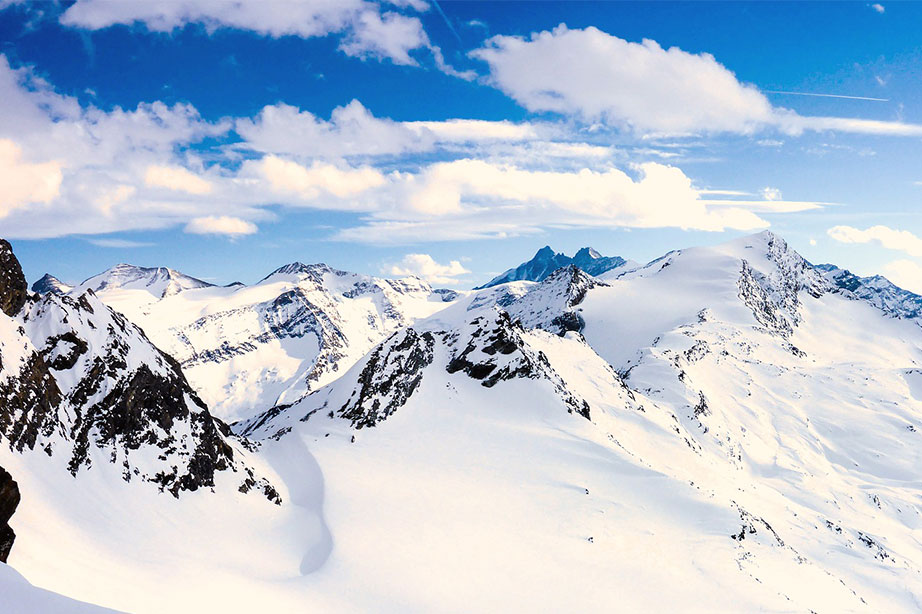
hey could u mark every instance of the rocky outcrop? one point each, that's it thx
(494, 350)
(392, 373)
(551, 305)
(9, 501)
(78, 379)
(13, 287)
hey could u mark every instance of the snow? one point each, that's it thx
(726, 465)
(247, 348)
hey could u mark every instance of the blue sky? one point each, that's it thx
(454, 140)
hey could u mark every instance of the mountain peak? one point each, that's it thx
(587, 253)
(158, 281)
(546, 261)
(50, 284)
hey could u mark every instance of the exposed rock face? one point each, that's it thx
(393, 371)
(13, 287)
(774, 295)
(9, 500)
(494, 350)
(78, 379)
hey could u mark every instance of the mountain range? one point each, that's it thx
(725, 428)
(546, 261)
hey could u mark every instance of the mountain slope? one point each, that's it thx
(159, 282)
(546, 261)
(742, 436)
(725, 430)
(877, 290)
(247, 348)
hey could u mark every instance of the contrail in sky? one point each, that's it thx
(827, 95)
(447, 23)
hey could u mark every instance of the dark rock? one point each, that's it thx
(393, 372)
(13, 287)
(9, 500)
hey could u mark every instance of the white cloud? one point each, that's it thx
(23, 183)
(878, 7)
(118, 243)
(426, 268)
(597, 77)
(600, 77)
(770, 193)
(220, 225)
(176, 178)
(389, 35)
(311, 182)
(365, 31)
(353, 130)
(466, 199)
(899, 240)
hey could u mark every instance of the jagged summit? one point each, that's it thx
(160, 282)
(50, 284)
(13, 287)
(546, 261)
(299, 268)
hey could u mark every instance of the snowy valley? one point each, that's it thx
(723, 429)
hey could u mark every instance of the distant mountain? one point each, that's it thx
(877, 290)
(248, 348)
(546, 261)
(50, 284)
(159, 282)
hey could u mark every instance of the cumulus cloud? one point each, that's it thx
(466, 199)
(23, 183)
(899, 240)
(365, 31)
(220, 225)
(597, 77)
(176, 178)
(878, 7)
(308, 183)
(147, 168)
(770, 193)
(426, 268)
(353, 130)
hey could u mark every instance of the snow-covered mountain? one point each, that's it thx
(80, 383)
(248, 348)
(877, 290)
(50, 284)
(159, 282)
(725, 429)
(546, 261)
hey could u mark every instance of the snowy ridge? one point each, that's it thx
(159, 282)
(249, 348)
(876, 290)
(727, 409)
